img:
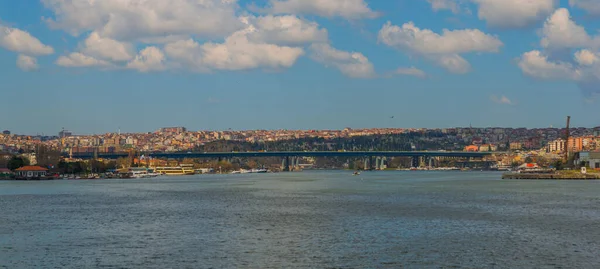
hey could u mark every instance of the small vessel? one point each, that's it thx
(251, 171)
(356, 173)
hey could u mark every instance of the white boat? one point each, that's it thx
(251, 171)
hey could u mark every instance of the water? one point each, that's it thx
(302, 220)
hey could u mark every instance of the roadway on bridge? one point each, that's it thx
(181, 155)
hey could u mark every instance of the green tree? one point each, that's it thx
(17, 162)
(528, 160)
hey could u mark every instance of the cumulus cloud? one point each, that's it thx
(348, 9)
(236, 53)
(77, 59)
(535, 64)
(443, 49)
(503, 100)
(27, 63)
(286, 30)
(139, 20)
(561, 32)
(107, 48)
(586, 57)
(352, 64)
(149, 59)
(410, 71)
(16, 40)
(514, 13)
(591, 6)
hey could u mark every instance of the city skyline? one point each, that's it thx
(93, 66)
(157, 130)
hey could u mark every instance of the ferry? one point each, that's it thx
(176, 171)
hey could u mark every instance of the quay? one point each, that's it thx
(551, 176)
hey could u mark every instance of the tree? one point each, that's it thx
(17, 162)
(46, 156)
(528, 160)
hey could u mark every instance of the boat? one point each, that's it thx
(356, 173)
(175, 171)
(251, 171)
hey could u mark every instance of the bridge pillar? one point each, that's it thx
(415, 161)
(287, 164)
(366, 165)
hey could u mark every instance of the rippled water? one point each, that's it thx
(302, 220)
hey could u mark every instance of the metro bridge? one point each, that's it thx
(181, 155)
(290, 159)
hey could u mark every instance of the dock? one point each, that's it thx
(551, 176)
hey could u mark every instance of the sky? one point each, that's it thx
(138, 65)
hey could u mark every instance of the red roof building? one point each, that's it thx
(31, 172)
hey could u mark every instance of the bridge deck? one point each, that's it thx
(181, 155)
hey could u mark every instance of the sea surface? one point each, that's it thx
(302, 220)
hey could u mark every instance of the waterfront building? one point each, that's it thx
(5, 173)
(31, 172)
(590, 159)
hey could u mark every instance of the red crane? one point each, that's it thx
(567, 136)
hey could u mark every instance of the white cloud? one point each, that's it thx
(352, 64)
(77, 59)
(586, 57)
(20, 41)
(286, 30)
(454, 63)
(138, 20)
(535, 64)
(591, 6)
(514, 13)
(27, 63)
(561, 32)
(149, 59)
(411, 71)
(107, 48)
(348, 9)
(236, 53)
(444, 49)
(503, 100)
(424, 41)
(451, 5)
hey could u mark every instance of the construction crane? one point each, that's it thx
(567, 136)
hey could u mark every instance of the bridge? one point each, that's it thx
(214, 155)
(290, 159)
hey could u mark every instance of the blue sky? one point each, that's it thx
(93, 67)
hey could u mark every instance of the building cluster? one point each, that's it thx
(177, 139)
